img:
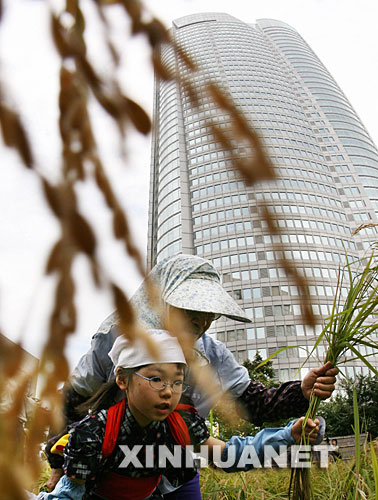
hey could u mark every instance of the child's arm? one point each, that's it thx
(83, 452)
(66, 489)
(231, 453)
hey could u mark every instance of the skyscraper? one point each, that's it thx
(327, 186)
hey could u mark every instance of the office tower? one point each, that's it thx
(327, 186)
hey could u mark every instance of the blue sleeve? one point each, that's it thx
(232, 375)
(248, 452)
(228, 374)
(95, 367)
(64, 490)
(258, 404)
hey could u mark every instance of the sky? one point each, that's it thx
(341, 32)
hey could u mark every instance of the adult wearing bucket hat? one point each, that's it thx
(193, 285)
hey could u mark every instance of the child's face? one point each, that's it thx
(147, 404)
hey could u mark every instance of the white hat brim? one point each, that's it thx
(206, 296)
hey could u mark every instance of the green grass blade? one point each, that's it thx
(275, 354)
(369, 343)
(374, 463)
(357, 436)
(363, 359)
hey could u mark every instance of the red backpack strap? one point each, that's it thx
(189, 408)
(178, 426)
(113, 425)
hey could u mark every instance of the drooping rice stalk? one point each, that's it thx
(351, 325)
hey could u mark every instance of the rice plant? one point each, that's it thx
(351, 324)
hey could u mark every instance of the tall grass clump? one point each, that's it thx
(351, 324)
(352, 479)
(337, 482)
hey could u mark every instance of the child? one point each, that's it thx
(114, 453)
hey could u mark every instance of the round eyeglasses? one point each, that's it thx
(157, 384)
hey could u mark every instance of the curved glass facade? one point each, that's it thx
(326, 100)
(327, 185)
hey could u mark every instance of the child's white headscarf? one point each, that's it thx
(129, 355)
